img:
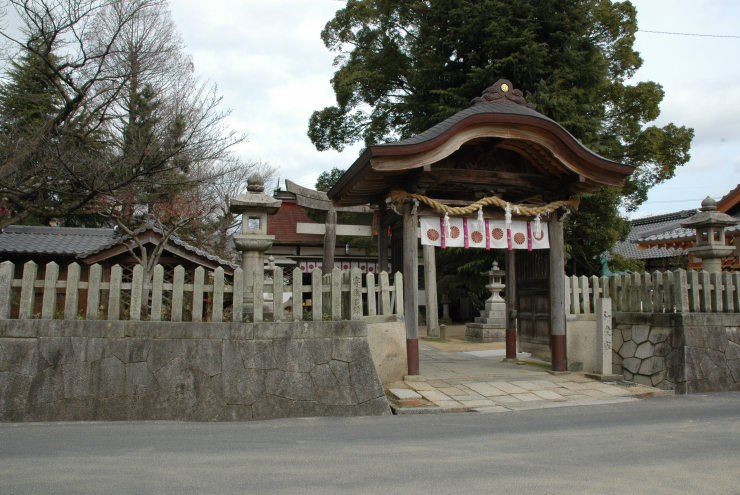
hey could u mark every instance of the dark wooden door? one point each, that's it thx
(533, 300)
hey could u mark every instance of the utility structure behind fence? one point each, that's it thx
(676, 291)
(340, 295)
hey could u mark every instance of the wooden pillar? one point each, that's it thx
(382, 239)
(511, 312)
(411, 283)
(430, 285)
(330, 241)
(557, 292)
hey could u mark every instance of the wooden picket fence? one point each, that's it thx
(678, 291)
(340, 295)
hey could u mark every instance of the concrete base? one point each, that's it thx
(414, 378)
(512, 360)
(557, 373)
(605, 378)
(484, 333)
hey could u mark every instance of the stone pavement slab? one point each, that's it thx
(482, 382)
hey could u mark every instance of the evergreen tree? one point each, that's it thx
(415, 63)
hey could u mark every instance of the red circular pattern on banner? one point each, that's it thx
(477, 237)
(497, 234)
(541, 236)
(454, 232)
(519, 238)
(432, 234)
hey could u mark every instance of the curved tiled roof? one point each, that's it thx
(173, 239)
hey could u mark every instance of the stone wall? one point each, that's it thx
(59, 370)
(583, 352)
(387, 338)
(685, 352)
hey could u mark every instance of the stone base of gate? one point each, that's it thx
(484, 333)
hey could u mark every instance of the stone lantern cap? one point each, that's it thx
(255, 199)
(708, 216)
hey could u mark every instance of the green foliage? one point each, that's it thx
(593, 229)
(327, 180)
(463, 267)
(619, 263)
(406, 65)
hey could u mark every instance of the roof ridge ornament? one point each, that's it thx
(502, 90)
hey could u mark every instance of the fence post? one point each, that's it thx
(693, 281)
(586, 307)
(736, 293)
(575, 307)
(636, 293)
(72, 296)
(596, 292)
(198, 282)
(297, 294)
(277, 294)
(317, 295)
(157, 288)
(658, 292)
(93, 291)
(114, 293)
(616, 292)
(218, 295)
(398, 281)
(259, 289)
(604, 286)
(727, 295)
(716, 280)
(49, 302)
(137, 289)
(28, 292)
(568, 295)
(669, 295)
(681, 292)
(647, 300)
(385, 295)
(706, 292)
(237, 296)
(178, 284)
(355, 294)
(336, 294)
(371, 311)
(7, 273)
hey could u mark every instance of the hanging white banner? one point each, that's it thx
(467, 233)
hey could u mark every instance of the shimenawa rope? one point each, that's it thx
(398, 196)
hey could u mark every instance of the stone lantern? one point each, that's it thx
(490, 326)
(254, 206)
(710, 244)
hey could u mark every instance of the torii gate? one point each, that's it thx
(501, 150)
(317, 200)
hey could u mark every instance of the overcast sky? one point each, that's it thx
(273, 71)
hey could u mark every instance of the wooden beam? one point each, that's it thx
(330, 241)
(410, 287)
(557, 292)
(383, 223)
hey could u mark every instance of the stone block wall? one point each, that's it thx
(685, 352)
(59, 370)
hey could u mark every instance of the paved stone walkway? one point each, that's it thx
(481, 381)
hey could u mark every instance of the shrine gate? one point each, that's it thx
(498, 175)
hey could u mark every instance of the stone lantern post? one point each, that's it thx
(254, 206)
(710, 235)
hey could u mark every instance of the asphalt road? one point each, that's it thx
(684, 444)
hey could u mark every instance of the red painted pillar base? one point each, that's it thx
(412, 355)
(557, 346)
(511, 343)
